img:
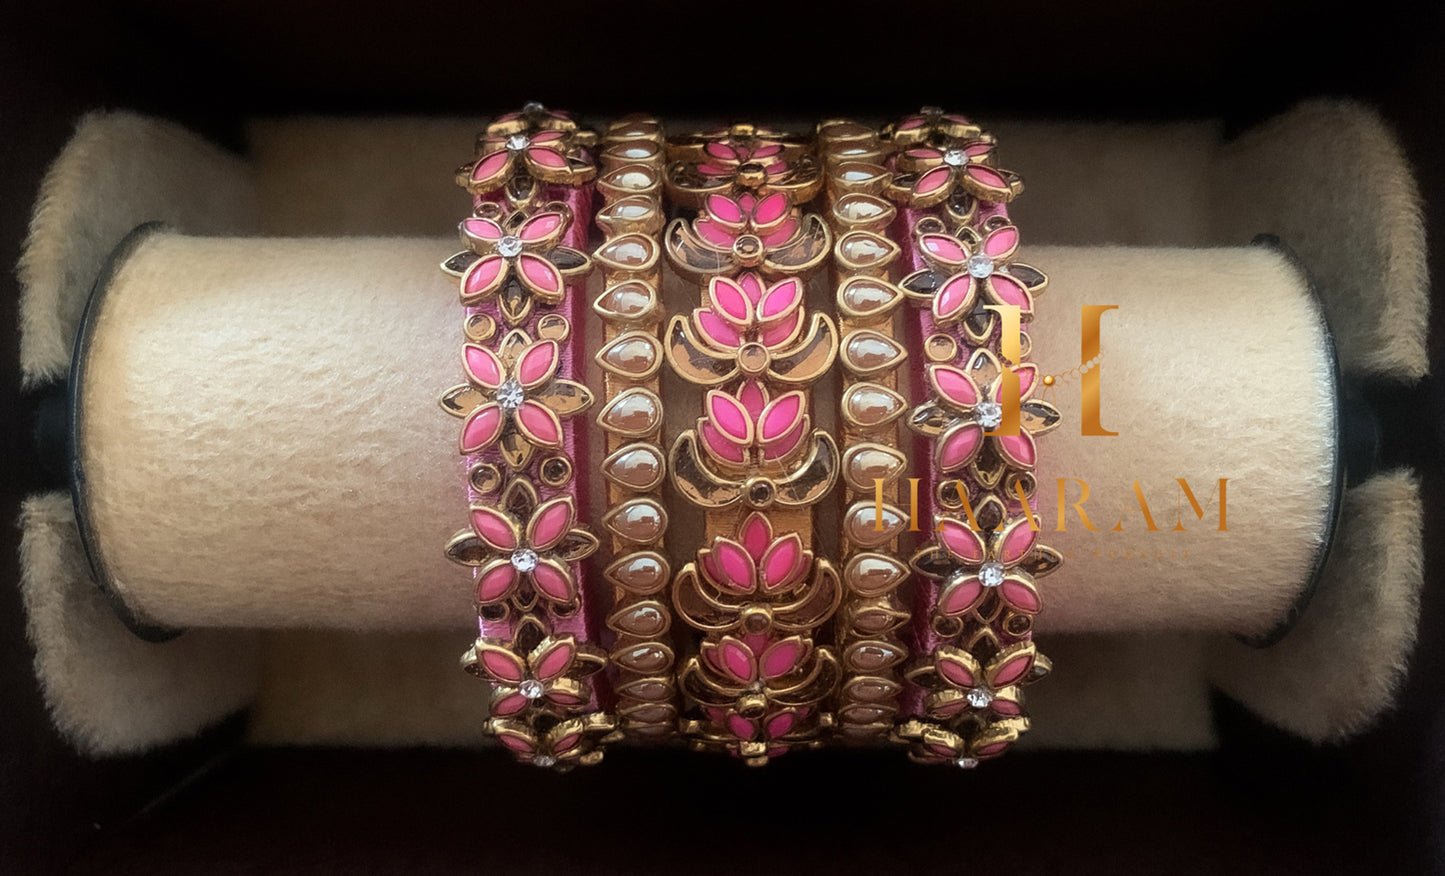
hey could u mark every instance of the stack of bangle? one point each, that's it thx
(759, 643)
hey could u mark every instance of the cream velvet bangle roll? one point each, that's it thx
(260, 443)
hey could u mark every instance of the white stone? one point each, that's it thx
(980, 266)
(991, 573)
(510, 394)
(518, 142)
(967, 762)
(980, 697)
(531, 689)
(524, 560)
(544, 761)
(989, 413)
(955, 158)
(510, 246)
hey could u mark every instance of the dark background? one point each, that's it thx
(1264, 804)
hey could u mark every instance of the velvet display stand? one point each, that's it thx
(225, 375)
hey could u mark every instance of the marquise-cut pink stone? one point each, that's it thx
(502, 667)
(933, 180)
(496, 529)
(1017, 542)
(730, 301)
(554, 662)
(1013, 670)
(516, 743)
(776, 335)
(1002, 241)
(780, 417)
(741, 727)
(494, 584)
(954, 385)
(566, 743)
(956, 295)
(961, 596)
(956, 672)
(482, 229)
(490, 165)
(542, 273)
(540, 226)
(719, 445)
(552, 582)
(770, 209)
(781, 561)
(961, 541)
(538, 363)
(780, 298)
(781, 725)
(716, 329)
(1018, 449)
(1019, 595)
(730, 417)
(944, 248)
(481, 428)
(725, 208)
(782, 657)
(482, 275)
(511, 704)
(546, 157)
(958, 446)
(756, 534)
(733, 565)
(550, 523)
(737, 660)
(986, 175)
(539, 422)
(1010, 291)
(483, 365)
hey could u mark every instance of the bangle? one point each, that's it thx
(975, 585)
(634, 466)
(520, 284)
(873, 612)
(756, 596)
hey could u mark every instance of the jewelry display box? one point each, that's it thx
(251, 348)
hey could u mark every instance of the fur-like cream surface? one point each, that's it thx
(1089, 185)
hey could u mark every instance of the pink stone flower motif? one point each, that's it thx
(749, 232)
(756, 561)
(521, 558)
(959, 684)
(929, 175)
(963, 273)
(974, 565)
(756, 739)
(549, 673)
(933, 743)
(524, 393)
(547, 155)
(968, 403)
(523, 263)
(930, 125)
(753, 431)
(755, 659)
(567, 744)
(772, 218)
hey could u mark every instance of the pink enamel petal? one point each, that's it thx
(961, 541)
(733, 566)
(987, 176)
(540, 275)
(495, 583)
(509, 705)
(541, 226)
(562, 698)
(725, 208)
(552, 580)
(1006, 290)
(741, 727)
(484, 277)
(779, 564)
(481, 229)
(775, 336)
(766, 151)
(933, 180)
(1027, 373)
(539, 424)
(503, 665)
(944, 248)
(734, 658)
(1020, 595)
(566, 743)
(781, 298)
(548, 136)
(538, 363)
(550, 523)
(1019, 450)
(516, 743)
(719, 445)
(1001, 242)
(958, 446)
(545, 157)
(961, 596)
(783, 447)
(489, 168)
(781, 416)
(781, 725)
(782, 657)
(730, 301)
(556, 660)
(753, 397)
(755, 535)
(1005, 706)
(949, 709)
(923, 153)
(495, 528)
(716, 330)
(729, 416)
(1016, 542)
(752, 286)
(721, 151)
(483, 366)
(482, 428)
(956, 297)
(953, 385)
(714, 233)
(771, 209)
(782, 234)
(977, 150)
(956, 672)
(1011, 670)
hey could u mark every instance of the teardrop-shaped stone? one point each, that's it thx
(871, 655)
(867, 296)
(651, 714)
(643, 572)
(632, 301)
(630, 252)
(637, 520)
(864, 212)
(866, 526)
(844, 131)
(860, 176)
(646, 619)
(637, 467)
(871, 405)
(633, 413)
(867, 352)
(633, 151)
(865, 714)
(638, 213)
(635, 355)
(634, 178)
(647, 689)
(870, 690)
(865, 250)
(648, 657)
(864, 465)
(634, 127)
(870, 574)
